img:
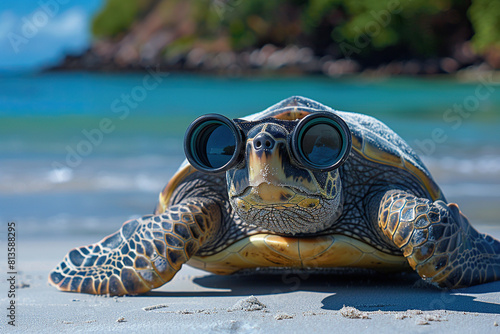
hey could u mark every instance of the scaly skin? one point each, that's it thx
(145, 254)
(438, 241)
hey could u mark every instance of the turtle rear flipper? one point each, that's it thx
(438, 241)
(144, 254)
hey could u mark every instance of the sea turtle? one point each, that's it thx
(298, 185)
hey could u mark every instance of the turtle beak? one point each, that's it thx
(270, 173)
(265, 157)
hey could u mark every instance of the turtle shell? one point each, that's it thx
(372, 140)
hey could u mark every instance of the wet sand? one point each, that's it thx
(196, 301)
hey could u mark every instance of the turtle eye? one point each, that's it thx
(212, 143)
(321, 141)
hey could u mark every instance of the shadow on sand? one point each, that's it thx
(372, 292)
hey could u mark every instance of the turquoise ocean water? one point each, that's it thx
(81, 153)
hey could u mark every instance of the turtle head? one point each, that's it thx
(282, 175)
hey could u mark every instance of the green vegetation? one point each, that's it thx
(372, 31)
(116, 17)
(485, 18)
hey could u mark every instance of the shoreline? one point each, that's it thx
(270, 60)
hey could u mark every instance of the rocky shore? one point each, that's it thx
(268, 59)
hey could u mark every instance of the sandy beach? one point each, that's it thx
(58, 209)
(197, 301)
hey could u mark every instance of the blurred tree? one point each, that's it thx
(370, 31)
(115, 17)
(485, 18)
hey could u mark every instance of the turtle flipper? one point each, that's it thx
(144, 254)
(438, 241)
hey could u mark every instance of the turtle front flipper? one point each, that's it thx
(438, 241)
(144, 254)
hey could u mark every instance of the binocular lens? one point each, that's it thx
(215, 145)
(321, 141)
(321, 144)
(212, 143)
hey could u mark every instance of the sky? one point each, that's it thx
(36, 34)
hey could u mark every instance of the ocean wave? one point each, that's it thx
(471, 190)
(67, 224)
(481, 166)
(489, 164)
(142, 174)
